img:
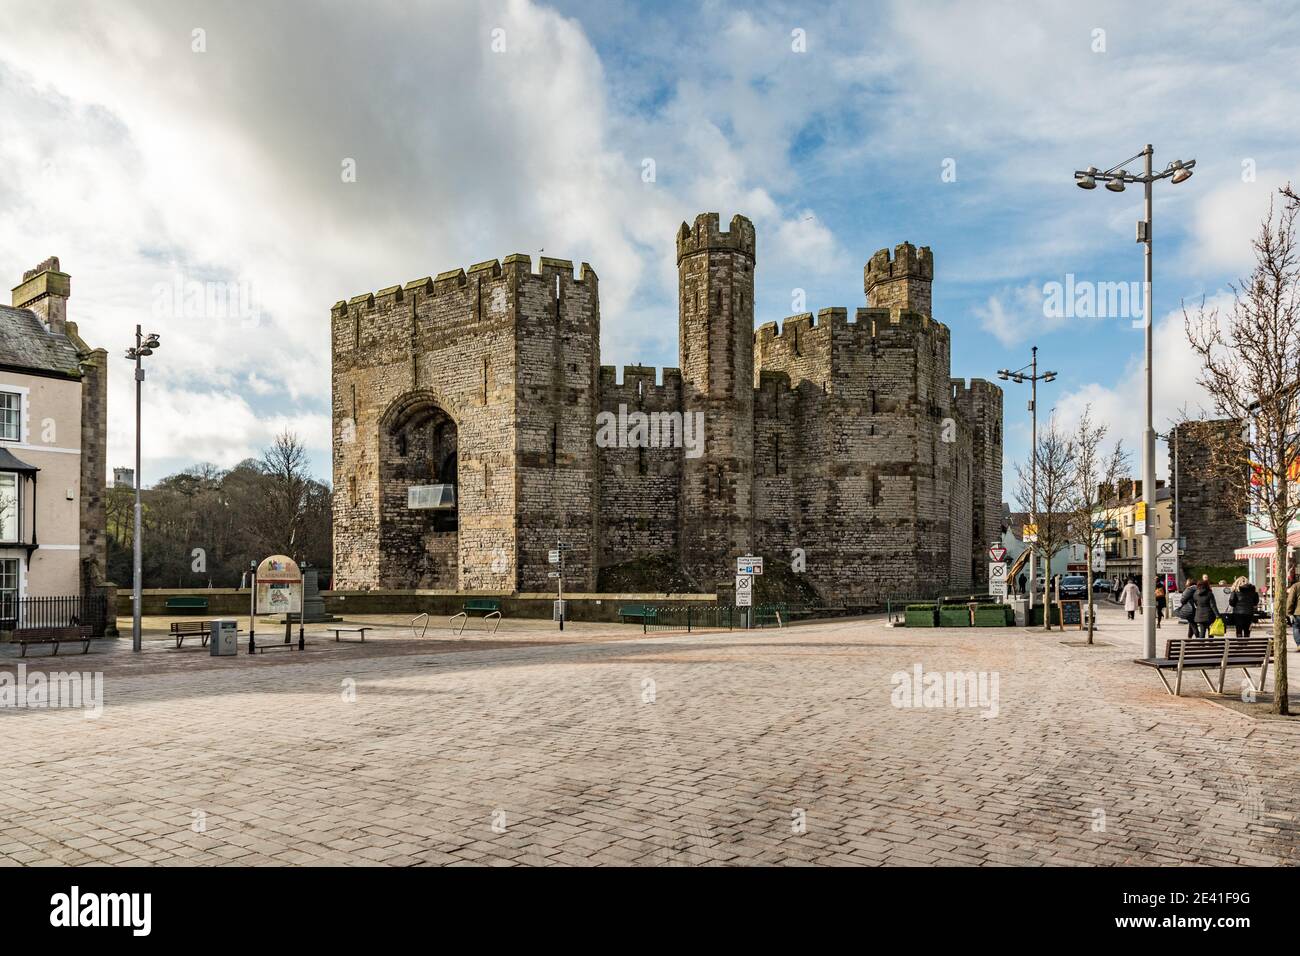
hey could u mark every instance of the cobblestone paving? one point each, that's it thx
(773, 747)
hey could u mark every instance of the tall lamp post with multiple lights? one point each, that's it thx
(1115, 179)
(144, 345)
(1029, 373)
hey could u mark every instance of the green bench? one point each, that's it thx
(484, 607)
(193, 605)
(636, 612)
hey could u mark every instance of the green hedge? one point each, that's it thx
(919, 615)
(1217, 572)
(957, 616)
(994, 615)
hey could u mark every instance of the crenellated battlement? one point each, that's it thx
(906, 262)
(516, 265)
(641, 387)
(707, 236)
(870, 321)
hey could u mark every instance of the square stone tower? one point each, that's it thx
(715, 272)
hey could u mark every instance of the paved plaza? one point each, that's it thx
(606, 746)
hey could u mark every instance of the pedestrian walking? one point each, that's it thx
(1187, 609)
(1243, 602)
(1161, 603)
(1206, 608)
(1132, 597)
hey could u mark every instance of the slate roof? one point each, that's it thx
(25, 343)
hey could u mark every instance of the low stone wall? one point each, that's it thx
(233, 602)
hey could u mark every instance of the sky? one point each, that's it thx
(222, 173)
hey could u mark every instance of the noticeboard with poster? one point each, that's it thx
(278, 586)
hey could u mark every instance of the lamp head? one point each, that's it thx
(1181, 173)
(1087, 178)
(1117, 185)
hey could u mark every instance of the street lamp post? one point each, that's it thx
(1115, 178)
(1033, 378)
(143, 346)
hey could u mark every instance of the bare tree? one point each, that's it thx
(1097, 473)
(1250, 369)
(1052, 504)
(285, 465)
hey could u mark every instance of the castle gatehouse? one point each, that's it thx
(471, 420)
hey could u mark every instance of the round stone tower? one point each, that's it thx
(715, 293)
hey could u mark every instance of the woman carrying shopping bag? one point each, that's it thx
(1207, 609)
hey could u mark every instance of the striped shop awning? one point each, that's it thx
(1265, 549)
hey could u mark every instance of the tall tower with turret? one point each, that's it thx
(715, 294)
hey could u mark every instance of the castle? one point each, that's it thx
(466, 442)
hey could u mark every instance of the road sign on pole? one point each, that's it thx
(997, 578)
(1099, 560)
(744, 590)
(1167, 556)
(997, 552)
(749, 565)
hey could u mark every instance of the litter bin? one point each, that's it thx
(223, 638)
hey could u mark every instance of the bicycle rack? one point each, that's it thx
(491, 615)
(425, 615)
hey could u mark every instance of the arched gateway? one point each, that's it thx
(419, 494)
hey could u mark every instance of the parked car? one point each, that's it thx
(1074, 587)
(1101, 584)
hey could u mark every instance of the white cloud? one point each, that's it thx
(1012, 315)
(1227, 218)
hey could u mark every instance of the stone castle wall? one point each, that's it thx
(640, 487)
(844, 438)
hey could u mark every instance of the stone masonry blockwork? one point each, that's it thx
(843, 437)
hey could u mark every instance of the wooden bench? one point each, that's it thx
(194, 604)
(350, 630)
(486, 607)
(254, 645)
(55, 636)
(637, 612)
(1211, 653)
(183, 629)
